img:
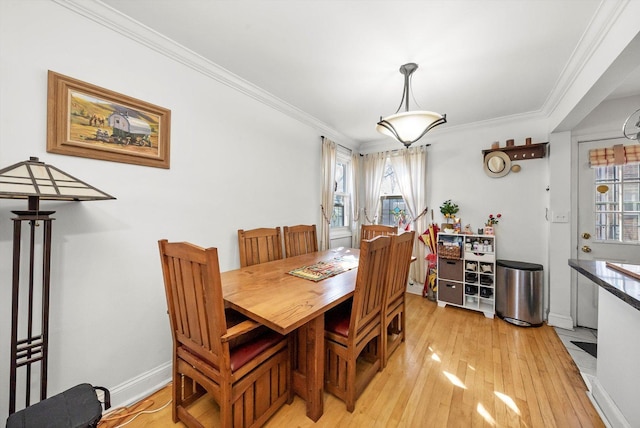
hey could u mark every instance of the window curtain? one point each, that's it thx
(410, 168)
(616, 155)
(328, 186)
(355, 199)
(373, 169)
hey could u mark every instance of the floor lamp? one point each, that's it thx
(34, 180)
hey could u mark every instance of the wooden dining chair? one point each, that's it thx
(259, 245)
(353, 330)
(244, 366)
(370, 231)
(393, 307)
(301, 239)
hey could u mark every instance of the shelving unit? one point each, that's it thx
(466, 272)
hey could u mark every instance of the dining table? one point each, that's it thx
(293, 305)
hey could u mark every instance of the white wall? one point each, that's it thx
(108, 313)
(235, 163)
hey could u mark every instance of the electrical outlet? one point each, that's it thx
(560, 217)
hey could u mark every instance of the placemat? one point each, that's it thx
(325, 269)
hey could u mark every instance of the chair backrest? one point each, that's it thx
(399, 264)
(370, 231)
(299, 240)
(370, 285)
(259, 245)
(194, 299)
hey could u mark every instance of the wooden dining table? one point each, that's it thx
(270, 295)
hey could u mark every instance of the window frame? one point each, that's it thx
(615, 178)
(343, 156)
(391, 195)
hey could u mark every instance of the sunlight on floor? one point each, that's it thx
(508, 401)
(454, 380)
(485, 414)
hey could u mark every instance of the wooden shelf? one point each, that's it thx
(524, 152)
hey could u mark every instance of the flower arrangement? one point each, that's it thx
(493, 219)
(449, 209)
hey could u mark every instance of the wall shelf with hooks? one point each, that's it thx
(524, 152)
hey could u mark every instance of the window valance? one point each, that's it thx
(616, 155)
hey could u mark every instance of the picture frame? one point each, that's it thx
(89, 121)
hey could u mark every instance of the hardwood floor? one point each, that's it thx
(456, 369)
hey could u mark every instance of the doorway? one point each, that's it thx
(607, 222)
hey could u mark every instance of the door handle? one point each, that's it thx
(586, 235)
(586, 249)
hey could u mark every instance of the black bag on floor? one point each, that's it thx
(77, 407)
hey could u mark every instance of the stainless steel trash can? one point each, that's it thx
(519, 292)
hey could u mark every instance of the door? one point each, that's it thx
(608, 221)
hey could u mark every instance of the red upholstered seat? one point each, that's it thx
(337, 320)
(247, 351)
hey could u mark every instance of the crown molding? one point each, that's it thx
(601, 23)
(122, 24)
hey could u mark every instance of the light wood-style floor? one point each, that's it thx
(456, 369)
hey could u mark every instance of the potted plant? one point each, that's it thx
(449, 210)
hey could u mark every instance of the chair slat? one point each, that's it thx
(259, 245)
(301, 239)
(393, 312)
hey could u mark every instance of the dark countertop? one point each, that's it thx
(625, 287)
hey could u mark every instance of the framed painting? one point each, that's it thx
(89, 121)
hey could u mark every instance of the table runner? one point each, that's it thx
(325, 269)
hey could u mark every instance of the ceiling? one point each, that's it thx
(338, 61)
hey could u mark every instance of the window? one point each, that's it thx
(340, 218)
(392, 206)
(617, 203)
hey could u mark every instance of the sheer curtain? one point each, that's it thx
(373, 169)
(355, 199)
(410, 168)
(328, 180)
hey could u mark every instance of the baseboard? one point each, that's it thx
(562, 321)
(415, 288)
(611, 415)
(141, 386)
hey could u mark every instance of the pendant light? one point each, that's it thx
(408, 127)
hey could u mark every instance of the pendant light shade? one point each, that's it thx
(409, 126)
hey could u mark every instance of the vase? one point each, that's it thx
(488, 230)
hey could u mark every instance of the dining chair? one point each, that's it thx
(370, 231)
(301, 239)
(259, 245)
(244, 366)
(393, 307)
(353, 330)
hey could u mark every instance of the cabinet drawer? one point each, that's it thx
(481, 257)
(452, 292)
(450, 269)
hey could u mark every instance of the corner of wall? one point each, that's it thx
(141, 386)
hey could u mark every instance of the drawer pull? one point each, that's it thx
(451, 263)
(450, 285)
